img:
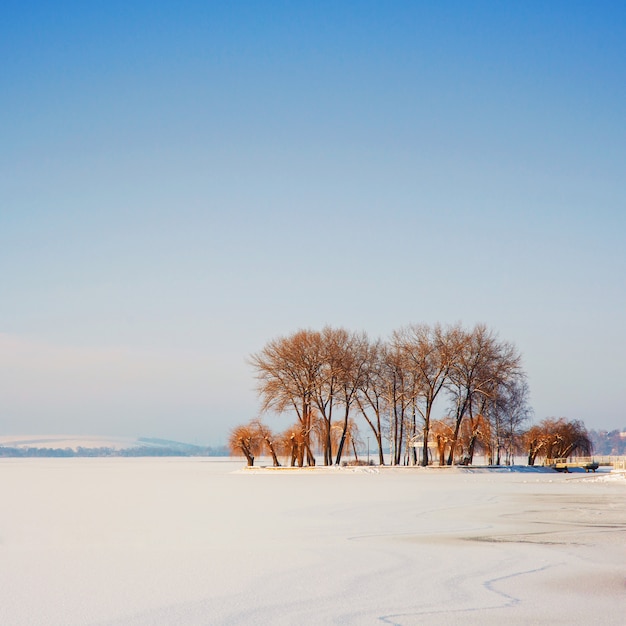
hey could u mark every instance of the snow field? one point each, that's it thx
(140, 542)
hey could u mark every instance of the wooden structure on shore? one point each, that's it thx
(564, 465)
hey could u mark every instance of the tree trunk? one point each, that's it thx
(342, 441)
(470, 449)
(328, 452)
(294, 450)
(457, 427)
(398, 450)
(270, 445)
(455, 438)
(381, 455)
(356, 456)
(310, 457)
(426, 432)
(425, 448)
(441, 448)
(247, 452)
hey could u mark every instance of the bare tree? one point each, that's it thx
(370, 397)
(400, 393)
(353, 361)
(481, 368)
(428, 354)
(509, 412)
(287, 371)
(328, 346)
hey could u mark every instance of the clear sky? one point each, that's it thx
(182, 182)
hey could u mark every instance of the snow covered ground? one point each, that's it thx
(113, 541)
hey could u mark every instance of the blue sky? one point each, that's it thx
(181, 182)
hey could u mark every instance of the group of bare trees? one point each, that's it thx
(461, 390)
(255, 438)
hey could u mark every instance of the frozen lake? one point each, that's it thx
(199, 541)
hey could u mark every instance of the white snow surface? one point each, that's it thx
(116, 541)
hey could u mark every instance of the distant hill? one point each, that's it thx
(89, 445)
(66, 441)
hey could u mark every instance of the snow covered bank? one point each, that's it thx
(196, 541)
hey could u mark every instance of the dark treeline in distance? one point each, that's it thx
(139, 451)
(609, 443)
(428, 391)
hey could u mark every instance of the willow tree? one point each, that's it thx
(557, 438)
(245, 441)
(269, 440)
(443, 434)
